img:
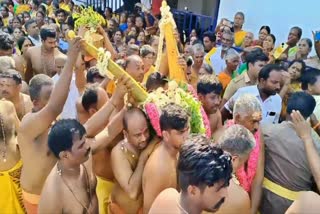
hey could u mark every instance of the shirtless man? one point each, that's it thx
(70, 186)
(93, 98)
(174, 124)
(33, 132)
(128, 159)
(239, 142)
(247, 112)
(10, 87)
(203, 184)
(10, 160)
(134, 66)
(209, 91)
(40, 59)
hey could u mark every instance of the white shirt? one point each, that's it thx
(217, 63)
(69, 109)
(34, 41)
(271, 107)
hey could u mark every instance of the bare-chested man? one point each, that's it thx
(247, 111)
(33, 132)
(10, 87)
(128, 159)
(70, 187)
(239, 142)
(209, 91)
(10, 160)
(203, 184)
(135, 67)
(40, 59)
(174, 124)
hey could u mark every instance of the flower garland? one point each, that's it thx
(246, 177)
(159, 98)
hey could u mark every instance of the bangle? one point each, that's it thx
(316, 126)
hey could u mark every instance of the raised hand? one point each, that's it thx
(301, 126)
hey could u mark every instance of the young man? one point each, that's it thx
(70, 186)
(204, 172)
(10, 87)
(266, 92)
(10, 160)
(209, 91)
(41, 59)
(209, 41)
(174, 124)
(287, 166)
(128, 159)
(33, 132)
(239, 142)
(33, 32)
(255, 62)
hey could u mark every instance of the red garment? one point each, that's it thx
(156, 4)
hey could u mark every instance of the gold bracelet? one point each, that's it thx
(316, 126)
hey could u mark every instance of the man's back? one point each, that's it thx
(152, 182)
(286, 165)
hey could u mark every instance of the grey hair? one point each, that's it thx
(246, 103)
(147, 49)
(237, 140)
(6, 63)
(208, 68)
(229, 32)
(231, 54)
(196, 48)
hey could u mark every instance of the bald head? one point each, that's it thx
(135, 67)
(130, 117)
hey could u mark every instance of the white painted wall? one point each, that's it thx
(280, 15)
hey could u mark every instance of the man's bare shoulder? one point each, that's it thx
(166, 202)
(6, 106)
(34, 49)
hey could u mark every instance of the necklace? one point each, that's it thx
(124, 148)
(88, 187)
(4, 151)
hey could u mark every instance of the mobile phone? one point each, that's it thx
(317, 36)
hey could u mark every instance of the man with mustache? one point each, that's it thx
(287, 170)
(128, 159)
(71, 185)
(10, 87)
(209, 91)
(203, 172)
(41, 59)
(247, 112)
(266, 92)
(239, 142)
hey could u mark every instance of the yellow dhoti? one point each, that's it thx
(10, 191)
(103, 190)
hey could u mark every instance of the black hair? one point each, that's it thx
(173, 117)
(20, 42)
(255, 56)
(267, 69)
(92, 73)
(17, 18)
(44, 12)
(202, 164)
(265, 27)
(207, 87)
(70, 22)
(309, 77)
(41, 13)
(12, 74)
(128, 38)
(46, 33)
(303, 66)
(6, 41)
(210, 35)
(62, 133)
(90, 97)
(156, 80)
(36, 83)
(29, 22)
(302, 102)
(36, 2)
(299, 31)
(130, 112)
(273, 38)
(61, 11)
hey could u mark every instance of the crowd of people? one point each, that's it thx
(73, 140)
